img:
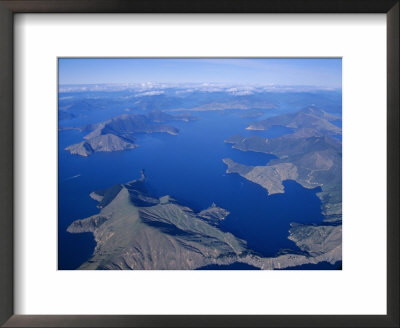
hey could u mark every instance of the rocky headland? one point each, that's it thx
(136, 231)
(119, 132)
(310, 155)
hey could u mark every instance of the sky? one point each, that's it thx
(317, 72)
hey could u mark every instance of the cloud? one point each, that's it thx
(155, 88)
(150, 93)
(241, 91)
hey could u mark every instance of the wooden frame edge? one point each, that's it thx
(7, 10)
(6, 165)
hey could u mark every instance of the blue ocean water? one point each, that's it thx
(244, 266)
(318, 266)
(188, 167)
(233, 266)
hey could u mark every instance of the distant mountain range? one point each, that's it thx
(145, 97)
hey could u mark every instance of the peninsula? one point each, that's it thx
(309, 155)
(137, 231)
(118, 133)
(311, 118)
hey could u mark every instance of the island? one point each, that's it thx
(241, 103)
(160, 116)
(134, 230)
(118, 133)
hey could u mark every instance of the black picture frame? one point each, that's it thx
(10, 7)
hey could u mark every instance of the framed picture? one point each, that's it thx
(167, 164)
(232, 153)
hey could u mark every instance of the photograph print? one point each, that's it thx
(199, 164)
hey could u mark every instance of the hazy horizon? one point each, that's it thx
(310, 72)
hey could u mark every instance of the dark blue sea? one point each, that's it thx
(189, 167)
